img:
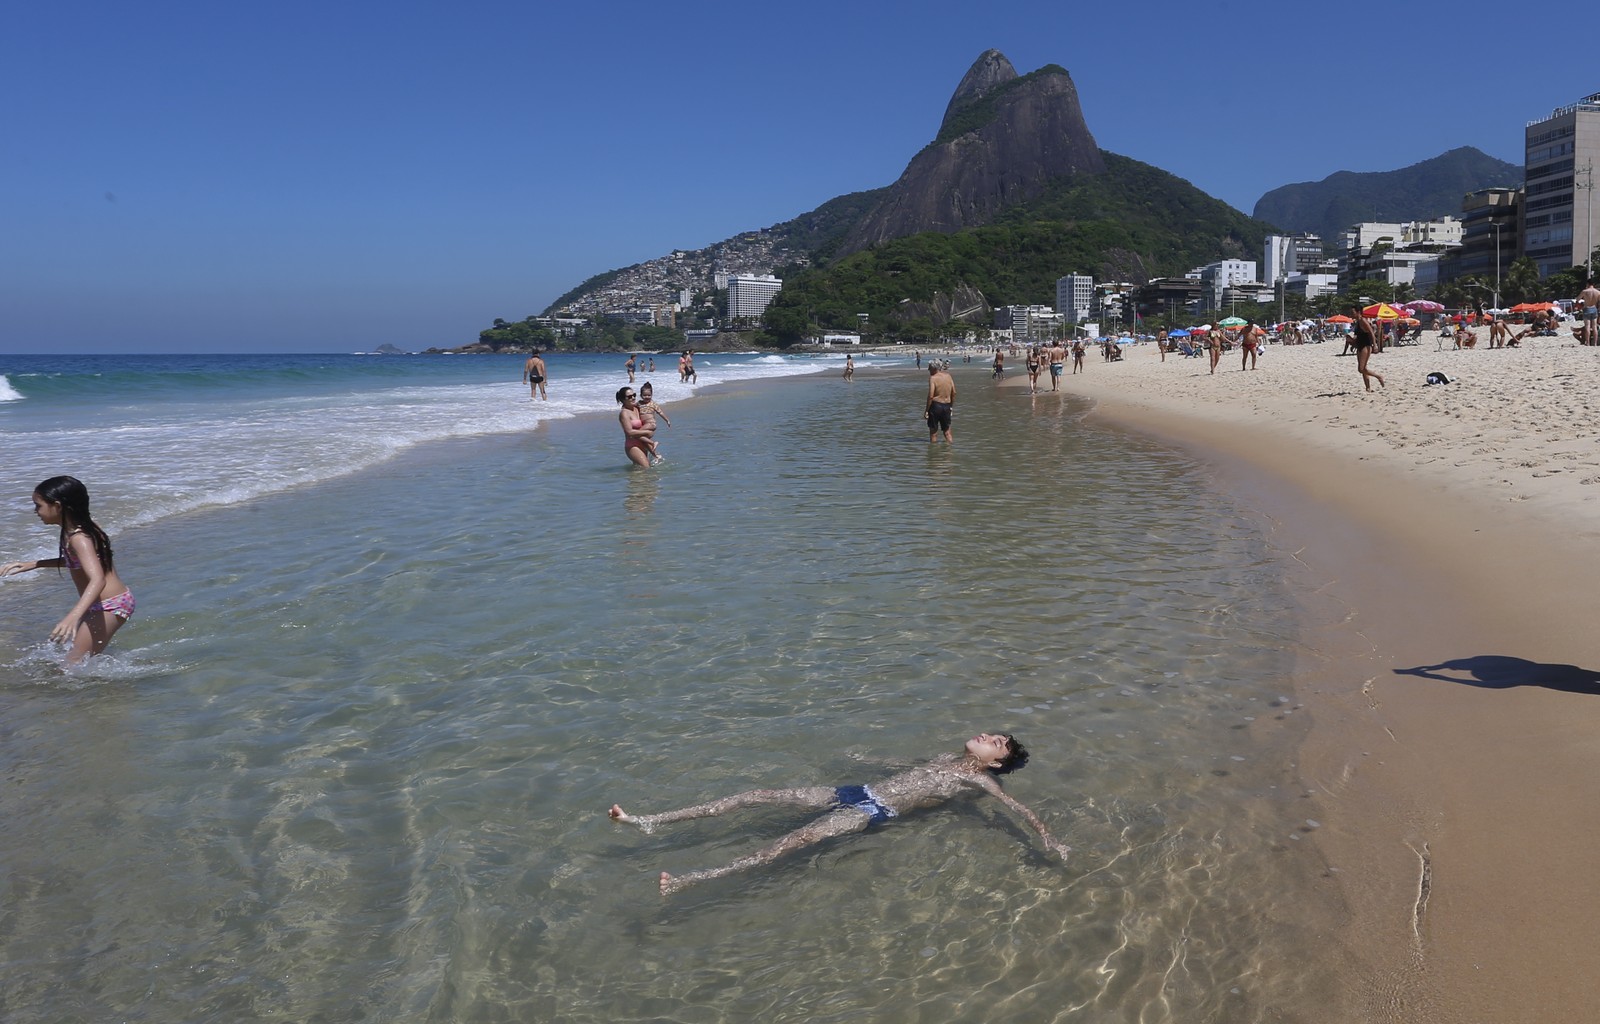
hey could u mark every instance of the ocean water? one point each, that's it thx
(351, 759)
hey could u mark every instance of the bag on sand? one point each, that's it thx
(1436, 378)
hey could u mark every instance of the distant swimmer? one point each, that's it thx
(533, 373)
(104, 601)
(941, 401)
(852, 809)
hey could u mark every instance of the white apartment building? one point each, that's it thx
(749, 294)
(1216, 277)
(1559, 209)
(1074, 295)
(1028, 322)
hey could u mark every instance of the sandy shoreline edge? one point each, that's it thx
(1454, 692)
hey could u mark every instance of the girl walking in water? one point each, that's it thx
(104, 601)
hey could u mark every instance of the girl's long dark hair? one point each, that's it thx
(74, 500)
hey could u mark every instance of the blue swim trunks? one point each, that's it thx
(861, 798)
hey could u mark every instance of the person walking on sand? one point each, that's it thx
(1161, 343)
(1364, 336)
(633, 361)
(850, 809)
(941, 402)
(533, 374)
(1214, 346)
(104, 601)
(1249, 341)
(1589, 298)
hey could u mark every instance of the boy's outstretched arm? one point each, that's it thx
(1052, 844)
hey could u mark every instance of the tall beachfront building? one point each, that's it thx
(1560, 164)
(1074, 295)
(1283, 255)
(749, 294)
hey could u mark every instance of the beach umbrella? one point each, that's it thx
(1232, 321)
(1179, 333)
(1340, 318)
(1424, 306)
(1381, 310)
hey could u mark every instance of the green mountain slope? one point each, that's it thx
(1432, 188)
(1132, 222)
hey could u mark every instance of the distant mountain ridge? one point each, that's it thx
(1423, 191)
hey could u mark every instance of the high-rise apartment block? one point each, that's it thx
(1559, 210)
(1074, 296)
(749, 294)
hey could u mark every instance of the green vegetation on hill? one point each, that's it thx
(818, 234)
(594, 283)
(1134, 222)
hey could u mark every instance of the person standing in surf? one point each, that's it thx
(533, 375)
(104, 601)
(941, 402)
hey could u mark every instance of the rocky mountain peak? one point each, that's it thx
(991, 69)
(1003, 140)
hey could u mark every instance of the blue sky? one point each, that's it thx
(180, 177)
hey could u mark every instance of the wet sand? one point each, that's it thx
(1448, 538)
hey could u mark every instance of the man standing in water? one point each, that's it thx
(533, 373)
(941, 401)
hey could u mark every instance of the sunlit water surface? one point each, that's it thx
(351, 760)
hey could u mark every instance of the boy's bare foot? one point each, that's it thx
(618, 814)
(669, 885)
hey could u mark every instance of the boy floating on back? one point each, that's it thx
(855, 808)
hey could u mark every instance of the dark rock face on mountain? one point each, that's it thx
(990, 70)
(1003, 139)
(1432, 188)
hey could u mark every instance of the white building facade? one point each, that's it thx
(1074, 296)
(1559, 209)
(749, 294)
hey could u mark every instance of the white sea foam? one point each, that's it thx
(179, 451)
(7, 392)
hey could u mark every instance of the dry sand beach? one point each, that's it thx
(1450, 663)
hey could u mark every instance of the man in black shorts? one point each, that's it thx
(941, 400)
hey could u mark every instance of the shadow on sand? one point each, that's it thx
(1499, 672)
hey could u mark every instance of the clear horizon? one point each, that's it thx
(188, 179)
